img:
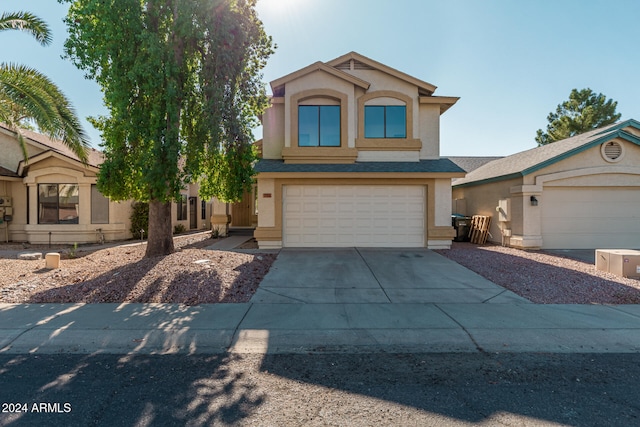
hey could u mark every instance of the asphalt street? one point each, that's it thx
(375, 389)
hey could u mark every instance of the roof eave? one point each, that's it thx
(445, 102)
(51, 152)
(538, 166)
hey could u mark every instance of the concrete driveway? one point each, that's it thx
(372, 275)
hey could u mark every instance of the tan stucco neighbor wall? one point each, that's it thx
(580, 171)
(483, 200)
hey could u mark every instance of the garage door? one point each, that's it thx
(588, 217)
(353, 215)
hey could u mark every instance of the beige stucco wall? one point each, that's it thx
(273, 134)
(442, 209)
(429, 131)
(590, 162)
(266, 203)
(483, 200)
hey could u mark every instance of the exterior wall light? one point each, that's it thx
(534, 201)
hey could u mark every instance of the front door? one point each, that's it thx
(241, 212)
(193, 212)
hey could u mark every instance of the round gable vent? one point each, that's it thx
(612, 151)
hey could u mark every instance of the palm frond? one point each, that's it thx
(25, 92)
(26, 21)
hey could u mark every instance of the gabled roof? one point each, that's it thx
(22, 166)
(360, 60)
(278, 84)
(95, 157)
(530, 161)
(352, 60)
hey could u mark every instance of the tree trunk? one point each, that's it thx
(160, 232)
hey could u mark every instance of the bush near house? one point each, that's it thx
(139, 219)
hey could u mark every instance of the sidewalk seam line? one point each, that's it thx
(281, 295)
(234, 337)
(495, 296)
(384, 291)
(478, 346)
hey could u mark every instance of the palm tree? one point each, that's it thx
(26, 94)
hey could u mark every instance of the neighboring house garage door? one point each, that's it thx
(590, 217)
(353, 215)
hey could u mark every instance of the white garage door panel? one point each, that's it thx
(588, 218)
(353, 215)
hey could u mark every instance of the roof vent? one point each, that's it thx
(612, 151)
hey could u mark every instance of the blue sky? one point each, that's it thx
(510, 62)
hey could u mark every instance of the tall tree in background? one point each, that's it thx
(28, 95)
(583, 112)
(182, 82)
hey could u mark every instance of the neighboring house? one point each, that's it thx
(469, 164)
(351, 157)
(53, 197)
(579, 193)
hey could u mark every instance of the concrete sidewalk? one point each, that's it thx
(296, 328)
(338, 300)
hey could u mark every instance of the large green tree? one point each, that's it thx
(27, 95)
(582, 112)
(182, 82)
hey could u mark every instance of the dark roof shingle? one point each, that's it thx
(423, 166)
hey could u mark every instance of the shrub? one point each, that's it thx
(139, 219)
(179, 228)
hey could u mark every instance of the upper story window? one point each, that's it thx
(385, 121)
(319, 126)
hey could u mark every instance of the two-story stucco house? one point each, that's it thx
(351, 157)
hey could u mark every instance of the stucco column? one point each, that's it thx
(220, 218)
(84, 200)
(531, 218)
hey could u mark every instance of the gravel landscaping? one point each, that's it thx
(194, 276)
(115, 274)
(545, 278)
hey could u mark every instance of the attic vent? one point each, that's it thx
(344, 66)
(612, 151)
(357, 65)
